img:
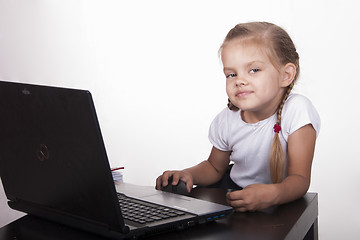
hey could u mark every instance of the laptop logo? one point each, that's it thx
(42, 152)
(26, 92)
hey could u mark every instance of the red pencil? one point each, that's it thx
(118, 168)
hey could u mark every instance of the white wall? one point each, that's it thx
(157, 83)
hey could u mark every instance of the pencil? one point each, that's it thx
(118, 168)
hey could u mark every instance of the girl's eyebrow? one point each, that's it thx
(255, 62)
(228, 69)
(246, 65)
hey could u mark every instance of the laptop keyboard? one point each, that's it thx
(143, 212)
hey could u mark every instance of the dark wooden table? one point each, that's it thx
(296, 220)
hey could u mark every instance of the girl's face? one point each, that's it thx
(253, 84)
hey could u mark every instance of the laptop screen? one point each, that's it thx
(52, 154)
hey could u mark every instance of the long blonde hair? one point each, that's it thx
(281, 50)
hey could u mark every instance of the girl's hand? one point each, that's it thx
(183, 175)
(252, 198)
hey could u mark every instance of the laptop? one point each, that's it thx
(53, 164)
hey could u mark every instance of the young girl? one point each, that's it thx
(268, 132)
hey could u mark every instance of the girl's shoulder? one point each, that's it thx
(297, 99)
(226, 118)
(297, 104)
(227, 115)
(298, 111)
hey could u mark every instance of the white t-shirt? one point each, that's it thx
(250, 143)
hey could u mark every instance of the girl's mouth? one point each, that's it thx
(241, 94)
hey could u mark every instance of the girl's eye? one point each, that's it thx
(231, 75)
(254, 70)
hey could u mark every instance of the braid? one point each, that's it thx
(277, 156)
(232, 106)
(279, 111)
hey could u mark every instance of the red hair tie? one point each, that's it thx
(277, 128)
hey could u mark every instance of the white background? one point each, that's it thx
(157, 82)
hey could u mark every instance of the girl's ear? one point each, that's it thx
(289, 72)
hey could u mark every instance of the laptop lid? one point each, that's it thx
(52, 156)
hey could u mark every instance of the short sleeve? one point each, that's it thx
(218, 132)
(298, 111)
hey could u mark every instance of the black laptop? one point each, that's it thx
(53, 164)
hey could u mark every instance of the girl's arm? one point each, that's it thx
(211, 170)
(205, 173)
(301, 145)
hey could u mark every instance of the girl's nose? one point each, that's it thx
(240, 82)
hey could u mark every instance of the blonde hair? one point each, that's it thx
(281, 50)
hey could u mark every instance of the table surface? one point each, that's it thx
(288, 221)
(7, 215)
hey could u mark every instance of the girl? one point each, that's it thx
(268, 132)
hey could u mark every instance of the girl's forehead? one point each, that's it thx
(244, 50)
